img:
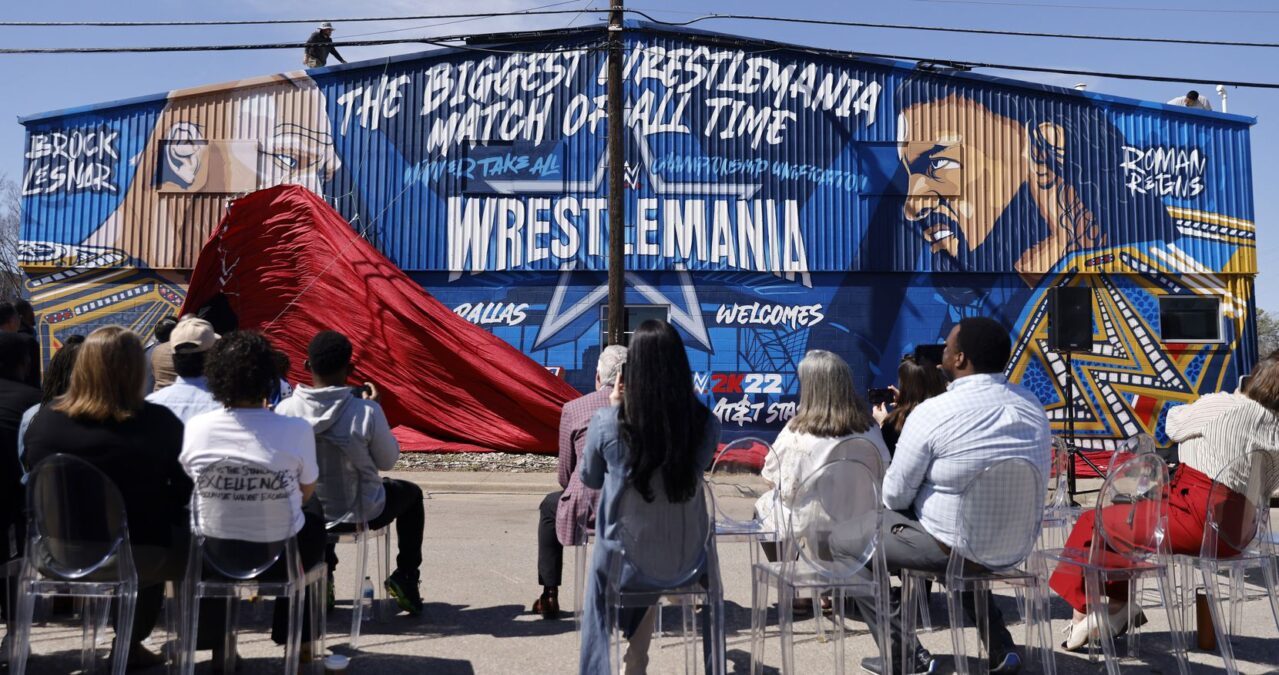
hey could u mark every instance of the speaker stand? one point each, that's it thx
(1073, 451)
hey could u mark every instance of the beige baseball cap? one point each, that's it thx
(197, 333)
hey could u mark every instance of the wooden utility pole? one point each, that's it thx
(616, 171)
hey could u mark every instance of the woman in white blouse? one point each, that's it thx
(829, 411)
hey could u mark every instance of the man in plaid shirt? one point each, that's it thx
(565, 514)
(946, 442)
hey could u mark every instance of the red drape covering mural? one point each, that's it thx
(287, 264)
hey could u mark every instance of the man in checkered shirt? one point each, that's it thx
(946, 442)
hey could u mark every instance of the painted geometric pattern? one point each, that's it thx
(1130, 379)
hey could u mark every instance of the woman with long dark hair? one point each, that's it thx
(657, 439)
(917, 381)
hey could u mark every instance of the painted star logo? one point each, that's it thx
(688, 317)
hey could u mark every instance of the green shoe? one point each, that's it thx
(405, 593)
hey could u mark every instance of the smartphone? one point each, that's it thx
(361, 390)
(875, 396)
(929, 353)
(1243, 384)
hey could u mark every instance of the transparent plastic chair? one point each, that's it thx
(77, 545)
(1237, 538)
(737, 482)
(340, 492)
(581, 554)
(1061, 513)
(1135, 493)
(667, 550)
(224, 564)
(837, 492)
(999, 521)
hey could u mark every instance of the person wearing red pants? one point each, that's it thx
(1212, 432)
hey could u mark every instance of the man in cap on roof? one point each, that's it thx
(319, 46)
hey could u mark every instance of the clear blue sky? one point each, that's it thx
(40, 83)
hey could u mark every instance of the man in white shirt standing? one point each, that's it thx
(189, 395)
(947, 441)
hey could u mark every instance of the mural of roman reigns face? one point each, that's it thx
(1005, 188)
(279, 133)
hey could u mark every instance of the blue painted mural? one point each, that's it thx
(777, 199)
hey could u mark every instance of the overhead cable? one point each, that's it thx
(447, 41)
(269, 22)
(949, 29)
(1111, 8)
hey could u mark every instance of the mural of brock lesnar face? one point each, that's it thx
(279, 133)
(968, 166)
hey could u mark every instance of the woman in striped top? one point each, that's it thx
(1211, 432)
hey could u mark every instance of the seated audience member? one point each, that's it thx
(189, 394)
(56, 381)
(103, 419)
(241, 372)
(163, 329)
(352, 421)
(283, 389)
(566, 512)
(27, 316)
(162, 373)
(946, 442)
(15, 398)
(656, 434)
(917, 381)
(27, 326)
(11, 322)
(829, 409)
(1211, 433)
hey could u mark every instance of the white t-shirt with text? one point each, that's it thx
(283, 445)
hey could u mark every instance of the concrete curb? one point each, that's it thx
(480, 482)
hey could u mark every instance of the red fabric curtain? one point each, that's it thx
(288, 265)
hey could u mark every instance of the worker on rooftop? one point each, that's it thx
(319, 46)
(1192, 100)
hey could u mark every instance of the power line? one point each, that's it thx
(948, 29)
(456, 21)
(1123, 8)
(444, 41)
(267, 22)
(447, 40)
(540, 11)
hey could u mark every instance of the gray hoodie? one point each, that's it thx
(358, 426)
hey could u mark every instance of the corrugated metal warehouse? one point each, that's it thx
(779, 199)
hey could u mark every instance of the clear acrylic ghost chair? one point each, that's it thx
(1236, 539)
(737, 482)
(667, 549)
(1133, 547)
(861, 449)
(229, 494)
(999, 520)
(1061, 512)
(341, 495)
(9, 571)
(581, 554)
(77, 545)
(837, 492)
